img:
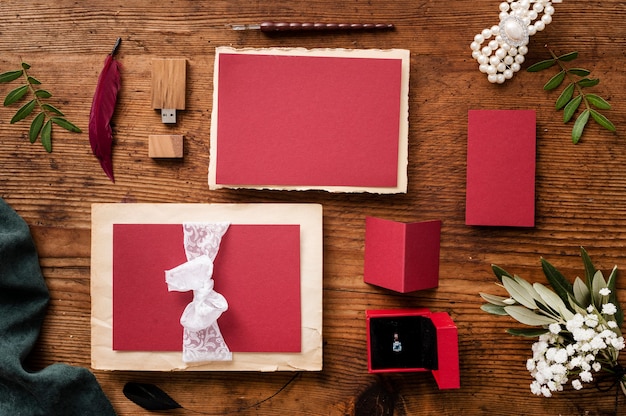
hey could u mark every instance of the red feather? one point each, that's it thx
(102, 109)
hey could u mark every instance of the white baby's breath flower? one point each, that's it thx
(577, 384)
(554, 328)
(605, 291)
(618, 343)
(608, 309)
(590, 308)
(561, 356)
(596, 366)
(586, 376)
(612, 324)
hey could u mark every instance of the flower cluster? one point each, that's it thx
(579, 332)
(555, 356)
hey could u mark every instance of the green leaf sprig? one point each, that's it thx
(574, 94)
(41, 126)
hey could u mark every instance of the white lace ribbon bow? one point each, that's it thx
(202, 339)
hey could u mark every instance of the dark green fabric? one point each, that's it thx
(59, 389)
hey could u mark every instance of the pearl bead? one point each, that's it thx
(493, 60)
(513, 51)
(491, 69)
(495, 29)
(523, 50)
(486, 51)
(540, 25)
(475, 46)
(532, 30)
(515, 67)
(504, 7)
(493, 78)
(508, 74)
(483, 68)
(549, 10)
(500, 79)
(476, 55)
(546, 18)
(503, 15)
(493, 44)
(486, 33)
(538, 7)
(501, 53)
(501, 67)
(481, 59)
(479, 38)
(508, 60)
(532, 15)
(519, 59)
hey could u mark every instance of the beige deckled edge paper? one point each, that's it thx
(403, 148)
(308, 216)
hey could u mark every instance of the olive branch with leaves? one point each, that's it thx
(573, 95)
(41, 125)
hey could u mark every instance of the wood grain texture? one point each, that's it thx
(581, 190)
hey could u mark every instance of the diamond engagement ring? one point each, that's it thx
(503, 55)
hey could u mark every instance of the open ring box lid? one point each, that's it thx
(429, 343)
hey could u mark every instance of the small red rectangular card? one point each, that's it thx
(257, 269)
(501, 168)
(308, 121)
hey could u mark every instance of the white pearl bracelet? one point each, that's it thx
(503, 55)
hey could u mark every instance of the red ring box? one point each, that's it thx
(428, 342)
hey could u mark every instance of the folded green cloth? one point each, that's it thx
(59, 389)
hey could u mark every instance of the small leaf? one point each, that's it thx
(568, 57)
(571, 107)
(565, 96)
(495, 300)
(528, 317)
(493, 309)
(518, 292)
(586, 82)
(35, 127)
(42, 94)
(559, 283)
(551, 298)
(611, 284)
(46, 136)
(33, 81)
(24, 111)
(15, 95)
(579, 71)
(25, 65)
(602, 120)
(499, 272)
(581, 292)
(527, 332)
(10, 76)
(52, 109)
(555, 81)
(540, 66)
(579, 126)
(149, 396)
(65, 124)
(598, 101)
(590, 269)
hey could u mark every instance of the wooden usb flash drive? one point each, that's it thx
(168, 87)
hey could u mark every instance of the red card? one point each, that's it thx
(257, 269)
(308, 120)
(501, 168)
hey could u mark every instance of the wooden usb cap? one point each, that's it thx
(169, 77)
(165, 146)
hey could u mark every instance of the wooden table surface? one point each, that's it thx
(580, 189)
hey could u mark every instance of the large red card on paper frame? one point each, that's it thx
(257, 269)
(501, 168)
(307, 121)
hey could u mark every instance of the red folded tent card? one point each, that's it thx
(310, 119)
(268, 267)
(501, 168)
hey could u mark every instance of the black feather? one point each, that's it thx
(149, 396)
